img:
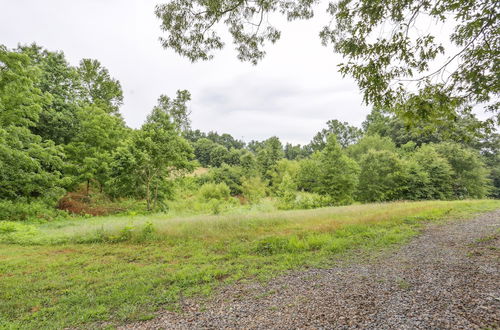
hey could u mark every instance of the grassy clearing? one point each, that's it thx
(77, 273)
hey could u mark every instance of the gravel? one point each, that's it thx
(447, 278)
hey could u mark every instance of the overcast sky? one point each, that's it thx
(291, 93)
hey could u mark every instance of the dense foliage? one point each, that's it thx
(61, 134)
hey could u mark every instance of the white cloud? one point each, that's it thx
(291, 94)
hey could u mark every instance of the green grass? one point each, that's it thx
(78, 273)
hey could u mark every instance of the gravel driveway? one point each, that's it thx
(446, 278)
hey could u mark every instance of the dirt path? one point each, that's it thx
(448, 277)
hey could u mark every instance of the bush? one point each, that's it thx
(196, 206)
(230, 175)
(217, 191)
(22, 211)
(254, 189)
(304, 201)
(16, 232)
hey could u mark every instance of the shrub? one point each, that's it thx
(304, 201)
(22, 211)
(11, 232)
(230, 175)
(254, 189)
(217, 191)
(280, 169)
(309, 172)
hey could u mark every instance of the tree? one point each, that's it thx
(211, 154)
(280, 169)
(218, 155)
(233, 176)
(490, 150)
(193, 135)
(160, 151)
(439, 172)
(414, 181)
(202, 150)
(98, 87)
(338, 175)
(269, 154)
(295, 152)
(309, 172)
(465, 129)
(90, 150)
(254, 145)
(233, 157)
(177, 108)
(470, 177)
(29, 167)
(286, 191)
(248, 162)
(154, 154)
(380, 178)
(58, 118)
(370, 142)
(385, 45)
(344, 133)
(226, 140)
(253, 189)
(20, 99)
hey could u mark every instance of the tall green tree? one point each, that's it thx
(309, 172)
(98, 87)
(338, 176)
(465, 129)
(211, 154)
(58, 117)
(439, 172)
(282, 168)
(177, 108)
(29, 167)
(381, 176)
(269, 153)
(370, 142)
(470, 177)
(153, 155)
(344, 133)
(89, 153)
(20, 99)
(295, 152)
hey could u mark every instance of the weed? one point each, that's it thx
(403, 284)
(78, 273)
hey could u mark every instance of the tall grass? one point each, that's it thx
(117, 269)
(140, 229)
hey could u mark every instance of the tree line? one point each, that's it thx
(61, 130)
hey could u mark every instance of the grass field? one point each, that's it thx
(78, 273)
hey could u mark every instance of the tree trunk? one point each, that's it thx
(148, 194)
(156, 196)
